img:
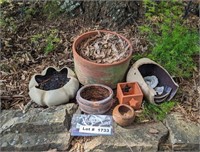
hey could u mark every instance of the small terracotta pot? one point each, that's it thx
(108, 74)
(130, 93)
(123, 115)
(95, 98)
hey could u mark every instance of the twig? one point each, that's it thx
(11, 97)
(45, 81)
(187, 10)
(1, 81)
(27, 106)
(89, 40)
(21, 106)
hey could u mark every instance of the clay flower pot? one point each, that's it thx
(89, 72)
(53, 87)
(95, 98)
(130, 93)
(123, 115)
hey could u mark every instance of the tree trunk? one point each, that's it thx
(106, 13)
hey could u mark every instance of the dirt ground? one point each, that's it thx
(22, 57)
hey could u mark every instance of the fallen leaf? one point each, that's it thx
(23, 77)
(153, 131)
(104, 48)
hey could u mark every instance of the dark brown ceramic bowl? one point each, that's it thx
(95, 98)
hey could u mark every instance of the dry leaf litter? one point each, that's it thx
(104, 48)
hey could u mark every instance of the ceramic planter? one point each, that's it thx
(146, 67)
(95, 98)
(130, 93)
(90, 73)
(55, 96)
(123, 115)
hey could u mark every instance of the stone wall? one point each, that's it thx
(42, 129)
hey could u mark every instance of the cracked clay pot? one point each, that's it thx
(145, 68)
(123, 115)
(95, 98)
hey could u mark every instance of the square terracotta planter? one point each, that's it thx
(130, 93)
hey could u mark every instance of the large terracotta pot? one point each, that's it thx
(90, 72)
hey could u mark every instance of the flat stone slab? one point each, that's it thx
(35, 142)
(139, 137)
(38, 129)
(183, 136)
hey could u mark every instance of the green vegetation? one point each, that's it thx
(3, 1)
(30, 12)
(173, 43)
(157, 112)
(7, 22)
(50, 39)
(52, 9)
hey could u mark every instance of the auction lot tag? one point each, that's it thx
(91, 125)
(95, 130)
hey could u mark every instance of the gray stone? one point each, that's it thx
(38, 129)
(138, 137)
(35, 142)
(183, 136)
(54, 119)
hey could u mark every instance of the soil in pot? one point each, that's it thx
(95, 93)
(52, 80)
(104, 48)
(126, 90)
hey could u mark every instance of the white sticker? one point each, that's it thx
(95, 130)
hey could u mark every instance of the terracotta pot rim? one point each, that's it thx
(78, 96)
(101, 64)
(121, 116)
